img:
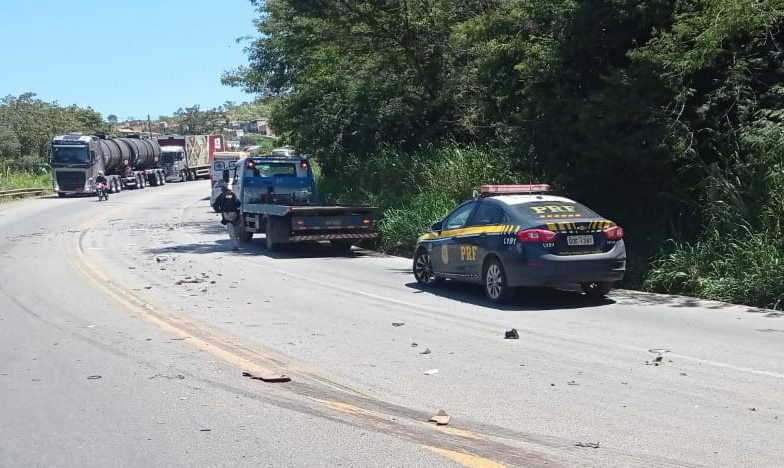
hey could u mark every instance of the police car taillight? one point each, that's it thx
(614, 233)
(514, 189)
(536, 236)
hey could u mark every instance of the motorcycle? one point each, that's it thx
(102, 190)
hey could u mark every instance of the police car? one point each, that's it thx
(517, 235)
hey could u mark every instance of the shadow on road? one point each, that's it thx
(523, 298)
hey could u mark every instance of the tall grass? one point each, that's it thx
(414, 190)
(15, 179)
(742, 269)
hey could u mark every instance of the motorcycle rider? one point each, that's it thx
(228, 206)
(100, 179)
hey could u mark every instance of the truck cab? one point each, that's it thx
(75, 161)
(174, 162)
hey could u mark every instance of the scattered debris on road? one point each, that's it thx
(752, 409)
(441, 418)
(431, 372)
(268, 379)
(512, 334)
(397, 324)
(659, 359)
(205, 430)
(594, 445)
(94, 377)
(572, 382)
(169, 377)
(414, 345)
(189, 280)
(426, 351)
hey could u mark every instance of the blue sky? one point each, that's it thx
(129, 58)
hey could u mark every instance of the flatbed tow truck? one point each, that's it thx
(278, 197)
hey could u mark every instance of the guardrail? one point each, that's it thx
(20, 192)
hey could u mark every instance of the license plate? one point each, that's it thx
(579, 240)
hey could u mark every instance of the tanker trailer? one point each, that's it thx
(142, 169)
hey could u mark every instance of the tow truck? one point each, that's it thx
(279, 198)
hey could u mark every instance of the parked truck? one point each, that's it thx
(278, 197)
(188, 157)
(126, 162)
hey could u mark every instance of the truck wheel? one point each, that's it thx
(276, 234)
(344, 245)
(163, 178)
(61, 194)
(596, 289)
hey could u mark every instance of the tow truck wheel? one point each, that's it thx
(596, 289)
(495, 283)
(61, 194)
(423, 269)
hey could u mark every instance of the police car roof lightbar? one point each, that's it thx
(513, 189)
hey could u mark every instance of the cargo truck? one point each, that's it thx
(278, 197)
(188, 157)
(126, 162)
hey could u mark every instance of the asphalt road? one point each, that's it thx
(125, 327)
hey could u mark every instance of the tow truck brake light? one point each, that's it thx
(304, 165)
(514, 189)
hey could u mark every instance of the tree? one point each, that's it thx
(111, 118)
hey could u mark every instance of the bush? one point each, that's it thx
(400, 227)
(414, 189)
(746, 269)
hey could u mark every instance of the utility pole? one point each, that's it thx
(149, 126)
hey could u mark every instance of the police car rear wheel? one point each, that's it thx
(423, 269)
(496, 287)
(597, 289)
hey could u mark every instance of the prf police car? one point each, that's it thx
(516, 235)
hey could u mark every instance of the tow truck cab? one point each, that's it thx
(278, 197)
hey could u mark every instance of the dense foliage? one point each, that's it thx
(27, 124)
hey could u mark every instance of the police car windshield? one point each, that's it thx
(541, 210)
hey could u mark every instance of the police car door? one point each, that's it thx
(483, 234)
(446, 257)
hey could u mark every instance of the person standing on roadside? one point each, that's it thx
(229, 208)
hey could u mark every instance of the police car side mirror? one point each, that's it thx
(436, 226)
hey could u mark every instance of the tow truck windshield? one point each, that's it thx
(269, 169)
(70, 155)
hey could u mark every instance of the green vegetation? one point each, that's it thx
(663, 115)
(13, 179)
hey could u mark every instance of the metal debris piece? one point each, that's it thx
(397, 324)
(414, 345)
(188, 280)
(426, 351)
(441, 418)
(94, 377)
(431, 372)
(572, 382)
(268, 378)
(512, 334)
(594, 445)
